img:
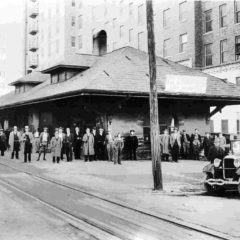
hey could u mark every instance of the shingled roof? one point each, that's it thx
(125, 72)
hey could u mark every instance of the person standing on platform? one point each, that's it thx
(165, 145)
(3, 142)
(193, 136)
(14, 142)
(185, 143)
(100, 144)
(61, 135)
(94, 133)
(132, 145)
(36, 141)
(117, 149)
(27, 140)
(56, 147)
(215, 151)
(88, 145)
(44, 141)
(222, 141)
(109, 145)
(175, 143)
(196, 148)
(68, 143)
(77, 141)
(207, 143)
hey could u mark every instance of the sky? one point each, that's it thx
(11, 42)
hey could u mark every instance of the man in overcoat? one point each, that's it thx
(88, 145)
(27, 140)
(193, 137)
(94, 133)
(68, 144)
(56, 147)
(165, 145)
(3, 142)
(100, 142)
(62, 135)
(175, 143)
(207, 143)
(185, 144)
(14, 142)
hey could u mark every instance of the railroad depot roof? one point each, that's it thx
(126, 72)
(35, 77)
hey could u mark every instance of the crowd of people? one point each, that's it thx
(95, 144)
(181, 144)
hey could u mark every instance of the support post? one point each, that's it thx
(153, 100)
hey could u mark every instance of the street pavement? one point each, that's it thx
(131, 183)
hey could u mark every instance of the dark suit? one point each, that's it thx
(215, 152)
(68, 142)
(3, 144)
(100, 146)
(207, 143)
(77, 141)
(132, 145)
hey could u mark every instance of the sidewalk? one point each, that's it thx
(131, 183)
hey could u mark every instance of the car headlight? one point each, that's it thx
(237, 162)
(217, 162)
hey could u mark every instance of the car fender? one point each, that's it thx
(209, 168)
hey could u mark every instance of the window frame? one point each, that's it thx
(165, 18)
(181, 13)
(222, 51)
(181, 43)
(237, 41)
(236, 12)
(164, 48)
(206, 56)
(208, 21)
(73, 45)
(221, 16)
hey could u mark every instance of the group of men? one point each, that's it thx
(181, 144)
(96, 145)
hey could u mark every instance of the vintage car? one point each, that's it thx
(223, 175)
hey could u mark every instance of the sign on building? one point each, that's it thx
(186, 84)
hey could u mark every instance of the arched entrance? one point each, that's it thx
(100, 43)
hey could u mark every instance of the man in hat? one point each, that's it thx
(109, 140)
(61, 135)
(100, 142)
(68, 144)
(56, 146)
(94, 133)
(215, 151)
(27, 140)
(14, 142)
(207, 143)
(132, 145)
(44, 142)
(3, 142)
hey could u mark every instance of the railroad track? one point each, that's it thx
(112, 209)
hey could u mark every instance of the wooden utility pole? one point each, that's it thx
(153, 100)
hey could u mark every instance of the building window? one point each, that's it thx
(222, 15)
(80, 4)
(237, 47)
(140, 14)
(73, 3)
(80, 41)
(182, 11)
(130, 6)
(238, 81)
(208, 21)
(121, 31)
(131, 35)
(62, 77)
(166, 17)
(237, 11)
(73, 21)
(223, 50)
(208, 54)
(114, 22)
(141, 41)
(211, 126)
(54, 78)
(166, 45)
(80, 23)
(183, 40)
(224, 125)
(73, 41)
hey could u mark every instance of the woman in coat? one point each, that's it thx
(165, 144)
(117, 149)
(88, 145)
(56, 147)
(175, 143)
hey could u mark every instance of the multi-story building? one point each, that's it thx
(199, 34)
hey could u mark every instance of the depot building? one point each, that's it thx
(112, 91)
